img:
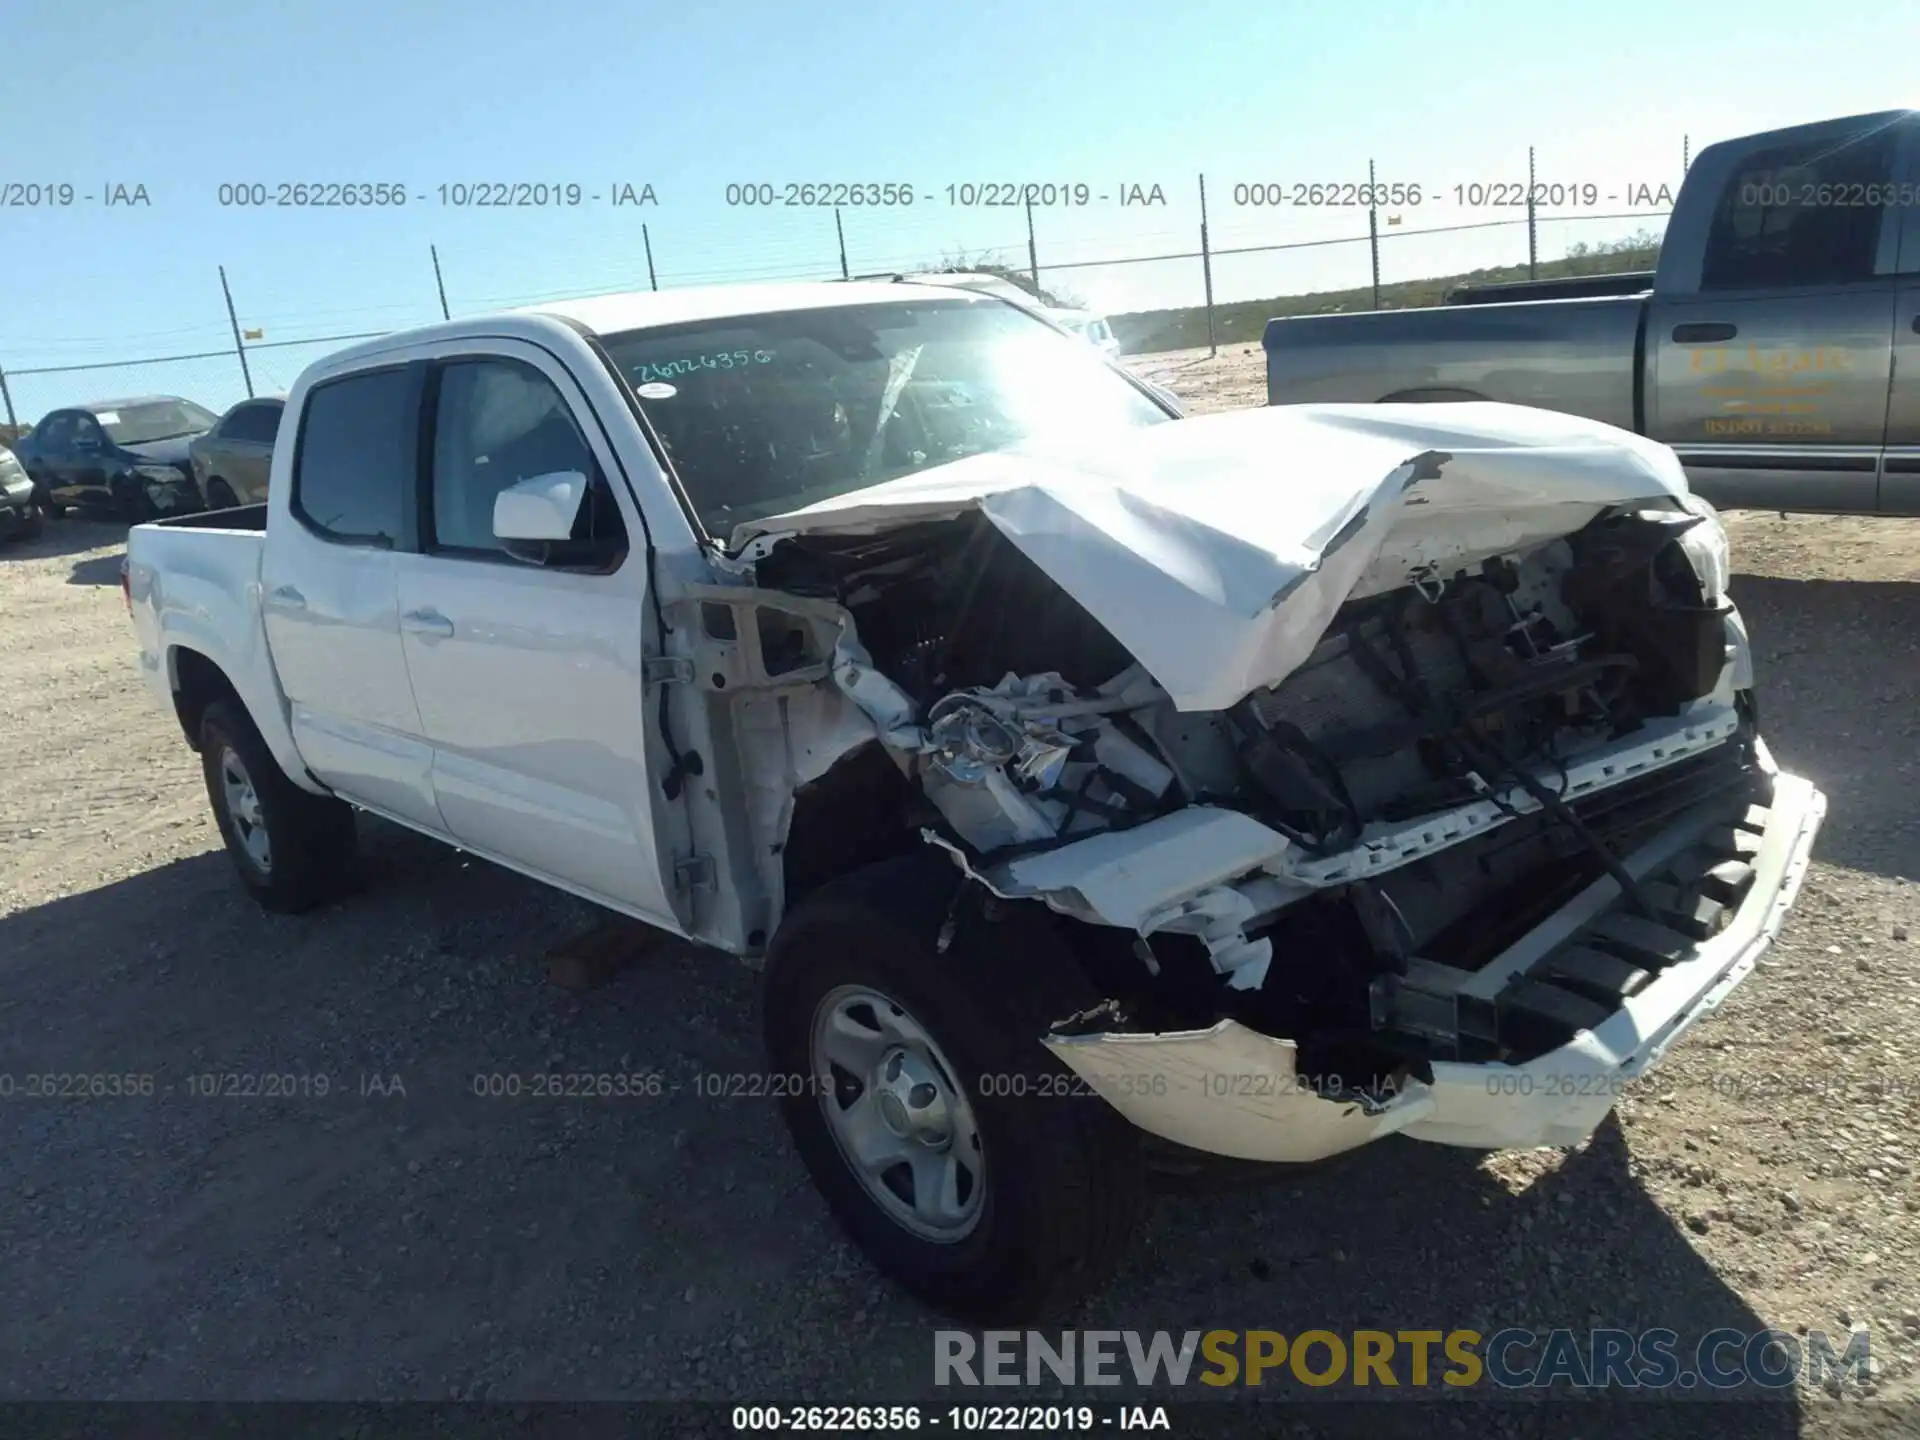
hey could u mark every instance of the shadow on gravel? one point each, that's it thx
(1837, 667)
(97, 570)
(359, 1174)
(1407, 1236)
(68, 536)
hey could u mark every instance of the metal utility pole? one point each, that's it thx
(1533, 247)
(239, 348)
(438, 283)
(1373, 231)
(647, 240)
(1206, 267)
(839, 231)
(1686, 148)
(1033, 255)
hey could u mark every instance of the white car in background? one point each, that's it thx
(1090, 327)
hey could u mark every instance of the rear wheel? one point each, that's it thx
(904, 1023)
(292, 848)
(220, 495)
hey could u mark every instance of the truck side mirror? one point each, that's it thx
(534, 520)
(530, 516)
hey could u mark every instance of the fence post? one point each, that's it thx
(1206, 268)
(7, 395)
(840, 232)
(1373, 231)
(1033, 256)
(1533, 249)
(438, 283)
(1686, 145)
(647, 240)
(238, 347)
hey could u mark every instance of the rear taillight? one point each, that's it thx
(126, 585)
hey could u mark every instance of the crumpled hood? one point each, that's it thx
(171, 451)
(1217, 549)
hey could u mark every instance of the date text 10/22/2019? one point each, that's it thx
(968, 194)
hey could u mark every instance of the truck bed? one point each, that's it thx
(192, 583)
(1565, 287)
(1580, 356)
(240, 517)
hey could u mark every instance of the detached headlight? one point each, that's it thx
(1706, 549)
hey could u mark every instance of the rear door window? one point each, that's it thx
(353, 476)
(1808, 213)
(257, 423)
(53, 435)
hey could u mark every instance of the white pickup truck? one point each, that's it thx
(1095, 785)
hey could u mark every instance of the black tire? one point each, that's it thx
(310, 838)
(46, 503)
(1063, 1180)
(220, 495)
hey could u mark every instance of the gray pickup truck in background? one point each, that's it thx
(1776, 347)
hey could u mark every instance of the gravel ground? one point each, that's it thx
(401, 1236)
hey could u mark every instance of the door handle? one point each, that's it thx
(1704, 332)
(285, 597)
(427, 622)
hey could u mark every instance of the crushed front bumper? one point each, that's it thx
(1233, 1091)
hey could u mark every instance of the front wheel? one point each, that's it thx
(46, 503)
(904, 1023)
(292, 848)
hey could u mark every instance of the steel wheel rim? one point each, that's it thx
(896, 1111)
(243, 810)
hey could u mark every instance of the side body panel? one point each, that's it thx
(1575, 356)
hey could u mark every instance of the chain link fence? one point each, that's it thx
(1210, 283)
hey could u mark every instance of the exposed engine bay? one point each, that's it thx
(1453, 760)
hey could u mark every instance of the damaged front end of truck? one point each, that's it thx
(1401, 762)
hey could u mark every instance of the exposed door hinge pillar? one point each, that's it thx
(666, 670)
(693, 872)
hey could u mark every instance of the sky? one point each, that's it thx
(165, 105)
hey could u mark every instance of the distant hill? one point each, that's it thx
(1244, 321)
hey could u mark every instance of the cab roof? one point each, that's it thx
(602, 315)
(128, 403)
(642, 309)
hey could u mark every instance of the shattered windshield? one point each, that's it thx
(764, 414)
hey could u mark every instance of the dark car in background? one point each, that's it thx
(230, 462)
(128, 457)
(19, 511)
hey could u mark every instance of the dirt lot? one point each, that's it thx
(402, 1236)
